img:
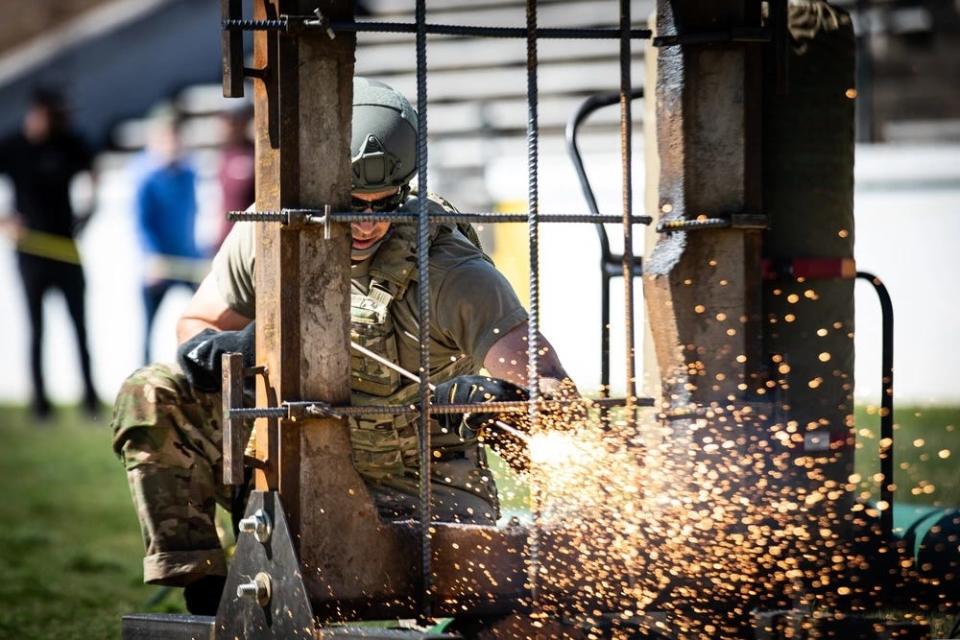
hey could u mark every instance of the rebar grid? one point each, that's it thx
(423, 256)
(533, 217)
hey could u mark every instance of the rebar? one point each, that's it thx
(290, 23)
(316, 216)
(313, 408)
(533, 321)
(423, 256)
(626, 151)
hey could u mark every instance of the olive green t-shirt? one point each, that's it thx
(472, 304)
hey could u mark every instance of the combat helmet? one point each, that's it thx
(383, 146)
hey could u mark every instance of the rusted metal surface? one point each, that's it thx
(702, 286)
(477, 570)
(267, 197)
(231, 48)
(699, 286)
(233, 443)
(808, 186)
(303, 306)
(287, 612)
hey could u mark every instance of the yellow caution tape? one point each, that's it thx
(48, 245)
(64, 249)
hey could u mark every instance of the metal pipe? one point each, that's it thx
(886, 402)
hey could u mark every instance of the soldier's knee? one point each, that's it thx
(143, 403)
(151, 384)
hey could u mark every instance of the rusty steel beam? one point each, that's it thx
(700, 284)
(303, 109)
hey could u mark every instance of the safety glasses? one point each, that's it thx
(387, 203)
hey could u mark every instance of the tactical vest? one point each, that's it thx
(385, 448)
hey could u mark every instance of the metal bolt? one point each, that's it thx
(258, 589)
(327, 210)
(259, 524)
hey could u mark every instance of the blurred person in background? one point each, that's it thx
(166, 214)
(236, 171)
(42, 160)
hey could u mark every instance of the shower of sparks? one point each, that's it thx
(702, 519)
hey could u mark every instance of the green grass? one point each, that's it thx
(926, 453)
(70, 548)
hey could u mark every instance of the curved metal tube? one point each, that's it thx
(886, 402)
(610, 265)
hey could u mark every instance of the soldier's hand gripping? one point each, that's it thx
(479, 389)
(200, 356)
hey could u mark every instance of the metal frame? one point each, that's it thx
(292, 25)
(284, 29)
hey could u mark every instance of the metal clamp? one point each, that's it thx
(289, 217)
(258, 589)
(259, 524)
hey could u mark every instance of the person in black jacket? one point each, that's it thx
(42, 160)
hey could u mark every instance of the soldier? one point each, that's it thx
(167, 421)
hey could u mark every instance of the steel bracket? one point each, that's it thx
(279, 607)
(233, 375)
(231, 50)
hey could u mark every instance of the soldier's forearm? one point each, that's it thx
(507, 359)
(207, 310)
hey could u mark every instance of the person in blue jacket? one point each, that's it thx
(166, 213)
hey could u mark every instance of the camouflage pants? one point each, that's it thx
(169, 438)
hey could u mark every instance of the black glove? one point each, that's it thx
(200, 356)
(473, 389)
(476, 389)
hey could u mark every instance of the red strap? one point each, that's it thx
(810, 268)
